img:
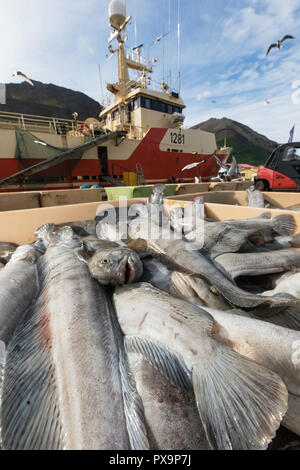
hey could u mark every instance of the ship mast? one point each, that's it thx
(118, 22)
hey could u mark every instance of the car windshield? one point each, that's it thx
(291, 153)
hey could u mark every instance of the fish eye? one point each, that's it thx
(105, 261)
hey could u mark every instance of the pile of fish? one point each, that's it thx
(162, 329)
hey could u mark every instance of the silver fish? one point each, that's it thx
(287, 285)
(255, 198)
(6, 251)
(185, 255)
(269, 345)
(176, 337)
(219, 238)
(253, 264)
(113, 265)
(181, 285)
(62, 387)
(18, 287)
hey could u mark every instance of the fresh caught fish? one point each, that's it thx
(271, 346)
(188, 218)
(255, 198)
(185, 255)
(176, 337)
(253, 264)
(158, 195)
(181, 285)
(287, 285)
(282, 224)
(197, 291)
(83, 228)
(114, 265)
(219, 238)
(6, 251)
(230, 236)
(19, 285)
(62, 387)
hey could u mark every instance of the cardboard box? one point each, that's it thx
(19, 226)
(278, 200)
(35, 199)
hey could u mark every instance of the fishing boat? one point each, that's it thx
(138, 139)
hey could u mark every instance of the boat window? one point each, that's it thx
(114, 114)
(153, 104)
(136, 103)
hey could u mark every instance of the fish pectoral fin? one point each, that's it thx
(168, 363)
(30, 416)
(138, 245)
(240, 403)
(83, 255)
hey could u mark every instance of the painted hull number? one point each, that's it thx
(177, 138)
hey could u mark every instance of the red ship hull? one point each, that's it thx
(158, 166)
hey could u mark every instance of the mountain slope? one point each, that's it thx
(49, 100)
(248, 146)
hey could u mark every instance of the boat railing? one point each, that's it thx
(32, 123)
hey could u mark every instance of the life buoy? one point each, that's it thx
(85, 129)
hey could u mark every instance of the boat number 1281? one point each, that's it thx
(177, 138)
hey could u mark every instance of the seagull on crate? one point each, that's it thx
(21, 74)
(192, 165)
(278, 44)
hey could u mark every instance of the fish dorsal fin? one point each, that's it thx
(168, 363)
(30, 418)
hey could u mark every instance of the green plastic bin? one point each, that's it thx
(132, 192)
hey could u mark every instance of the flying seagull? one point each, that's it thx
(192, 165)
(221, 164)
(159, 38)
(266, 101)
(278, 44)
(21, 74)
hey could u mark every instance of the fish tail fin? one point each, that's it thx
(45, 233)
(240, 403)
(284, 224)
(64, 234)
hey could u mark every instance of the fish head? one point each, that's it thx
(28, 253)
(115, 266)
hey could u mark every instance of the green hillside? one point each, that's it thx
(247, 145)
(49, 100)
(245, 152)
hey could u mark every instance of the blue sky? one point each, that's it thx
(222, 53)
